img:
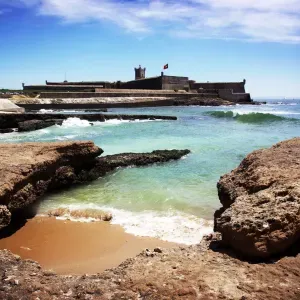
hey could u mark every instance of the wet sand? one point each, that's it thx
(68, 247)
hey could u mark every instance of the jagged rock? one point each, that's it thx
(5, 216)
(260, 216)
(180, 273)
(34, 125)
(29, 170)
(110, 162)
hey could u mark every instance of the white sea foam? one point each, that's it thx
(65, 137)
(172, 226)
(273, 112)
(76, 122)
(45, 111)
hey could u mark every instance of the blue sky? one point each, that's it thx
(207, 40)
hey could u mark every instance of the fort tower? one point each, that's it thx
(140, 73)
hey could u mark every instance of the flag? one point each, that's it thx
(166, 66)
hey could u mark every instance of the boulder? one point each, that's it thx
(27, 171)
(6, 106)
(34, 125)
(260, 216)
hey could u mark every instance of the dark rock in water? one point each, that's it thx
(36, 124)
(111, 162)
(31, 121)
(7, 130)
(29, 170)
(260, 216)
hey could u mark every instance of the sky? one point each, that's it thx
(206, 40)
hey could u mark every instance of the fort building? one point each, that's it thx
(140, 73)
(232, 91)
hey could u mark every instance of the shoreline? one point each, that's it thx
(99, 245)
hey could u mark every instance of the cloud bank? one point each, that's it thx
(249, 20)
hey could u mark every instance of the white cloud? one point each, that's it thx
(250, 20)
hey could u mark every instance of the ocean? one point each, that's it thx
(173, 201)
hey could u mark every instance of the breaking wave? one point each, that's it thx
(76, 122)
(172, 226)
(251, 117)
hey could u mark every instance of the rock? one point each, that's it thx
(5, 216)
(6, 106)
(198, 275)
(111, 162)
(158, 250)
(261, 202)
(107, 217)
(7, 130)
(33, 121)
(34, 125)
(29, 170)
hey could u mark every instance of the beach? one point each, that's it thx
(68, 247)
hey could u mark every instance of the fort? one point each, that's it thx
(164, 84)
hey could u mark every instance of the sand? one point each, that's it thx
(68, 247)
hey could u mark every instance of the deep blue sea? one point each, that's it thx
(173, 201)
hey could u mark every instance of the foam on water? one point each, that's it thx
(46, 111)
(171, 225)
(75, 122)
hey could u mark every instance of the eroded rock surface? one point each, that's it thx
(261, 202)
(28, 170)
(187, 273)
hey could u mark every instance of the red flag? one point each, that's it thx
(166, 66)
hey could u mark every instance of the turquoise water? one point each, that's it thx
(173, 201)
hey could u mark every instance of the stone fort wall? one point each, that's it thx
(236, 87)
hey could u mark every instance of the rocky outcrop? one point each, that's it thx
(110, 162)
(187, 273)
(29, 170)
(36, 124)
(260, 216)
(31, 121)
(6, 106)
(203, 101)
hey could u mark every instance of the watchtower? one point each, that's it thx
(140, 73)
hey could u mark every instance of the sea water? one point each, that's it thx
(174, 201)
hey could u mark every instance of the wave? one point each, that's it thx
(76, 122)
(45, 111)
(251, 117)
(285, 103)
(172, 226)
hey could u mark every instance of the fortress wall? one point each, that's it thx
(104, 84)
(227, 94)
(237, 87)
(153, 83)
(175, 83)
(57, 88)
(63, 95)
